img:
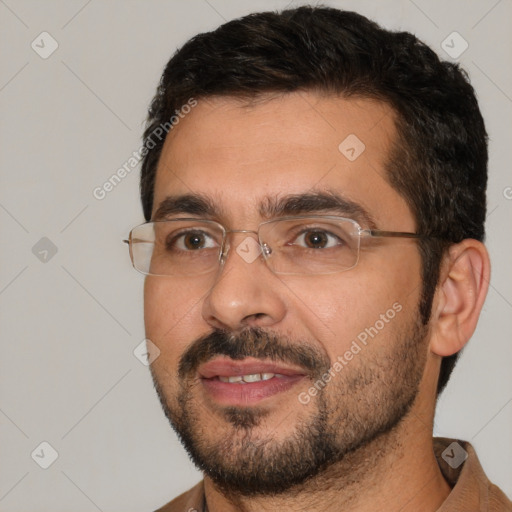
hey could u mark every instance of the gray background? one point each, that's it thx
(71, 320)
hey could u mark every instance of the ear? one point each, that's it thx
(463, 285)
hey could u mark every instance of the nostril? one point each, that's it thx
(254, 318)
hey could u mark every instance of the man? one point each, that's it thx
(314, 264)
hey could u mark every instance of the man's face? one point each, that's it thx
(268, 435)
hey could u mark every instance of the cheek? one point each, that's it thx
(336, 309)
(330, 308)
(172, 312)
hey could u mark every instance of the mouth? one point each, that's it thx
(241, 383)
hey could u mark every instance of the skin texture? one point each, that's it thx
(378, 411)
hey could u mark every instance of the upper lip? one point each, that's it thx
(226, 367)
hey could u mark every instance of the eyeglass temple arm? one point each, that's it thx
(133, 240)
(390, 234)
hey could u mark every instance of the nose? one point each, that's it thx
(245, 293)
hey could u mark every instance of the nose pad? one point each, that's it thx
(224, 253)
(266, 249)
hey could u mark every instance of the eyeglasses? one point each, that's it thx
(316, 244)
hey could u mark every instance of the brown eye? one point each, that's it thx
(194, 241)
(190, 241)
(316, 239)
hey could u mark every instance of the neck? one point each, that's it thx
(396, 471)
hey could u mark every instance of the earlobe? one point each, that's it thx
(460, 295)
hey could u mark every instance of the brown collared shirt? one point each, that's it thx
(471, 489)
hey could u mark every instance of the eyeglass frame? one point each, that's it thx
(223, 252)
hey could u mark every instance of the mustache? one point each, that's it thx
(252, 342)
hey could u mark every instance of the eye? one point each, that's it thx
(317, 239)
(191, 241)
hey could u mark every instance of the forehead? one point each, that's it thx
(241, 155)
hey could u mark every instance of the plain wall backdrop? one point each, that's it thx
(71, 305)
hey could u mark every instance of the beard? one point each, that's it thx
(365, 400)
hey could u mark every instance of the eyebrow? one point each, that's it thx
(189, 204)
(326, 202)
(316, 202)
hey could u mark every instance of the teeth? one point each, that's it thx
(253, 377)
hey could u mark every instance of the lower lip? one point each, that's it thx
(236, 394)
